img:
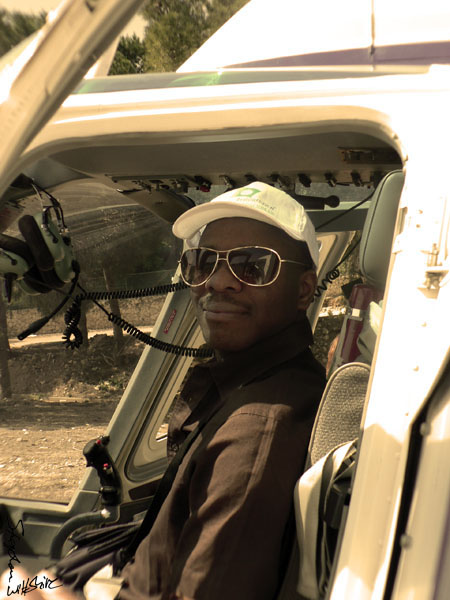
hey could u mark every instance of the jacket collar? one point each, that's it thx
(239, 368)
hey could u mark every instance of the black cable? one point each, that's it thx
(333, 273)
(349, 251)
(345, 213)
(37, 325)
(158, 290)
(159, 344)
(55, 203)
(73, 338)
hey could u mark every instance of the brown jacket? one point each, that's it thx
(219, 533)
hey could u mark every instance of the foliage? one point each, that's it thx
(129, 57)
(174, 31)
(176, 28)
(220, 11)
(350, 267)
(16, 26)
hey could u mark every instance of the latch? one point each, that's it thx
(434, 272)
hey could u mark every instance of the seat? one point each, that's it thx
(339, 415)
(344, 397)
(375, 250)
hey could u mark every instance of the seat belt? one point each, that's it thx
(126, 554)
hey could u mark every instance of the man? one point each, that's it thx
(250, 260)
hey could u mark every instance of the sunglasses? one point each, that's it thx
(252, 265)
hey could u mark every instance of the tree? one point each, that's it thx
(129, 57)
(176, 28)
(219, 12)
(5, 378)
(15, 26)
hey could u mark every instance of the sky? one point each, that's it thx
(136, 25)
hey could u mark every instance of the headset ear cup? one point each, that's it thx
(18, 261)
(33, 279)
(43, 258)
(16, 246)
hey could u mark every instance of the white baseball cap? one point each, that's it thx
(258, 201)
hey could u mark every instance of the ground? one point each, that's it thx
(64, 398)
(42, 437)
(41, 446)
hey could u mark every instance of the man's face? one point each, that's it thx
(234, 316)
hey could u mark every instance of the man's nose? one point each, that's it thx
(222, 278)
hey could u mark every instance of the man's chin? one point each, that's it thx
(227, 343)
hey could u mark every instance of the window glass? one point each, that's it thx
(56, 399)
(336, 306)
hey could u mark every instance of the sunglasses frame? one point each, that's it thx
(225, 258)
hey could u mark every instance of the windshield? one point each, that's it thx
(61, 397)
(234, 76)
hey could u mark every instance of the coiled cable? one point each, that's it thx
(159, 344)
(333, 273)
(329, 278)
(73, 338)
(158, 290)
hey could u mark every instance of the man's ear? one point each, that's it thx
(308, 284)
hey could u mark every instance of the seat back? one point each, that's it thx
(338, 419)
(339, 416)
(376, 239)
(374, 257)
(343, 397)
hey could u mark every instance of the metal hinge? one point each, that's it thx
(438, 259)
(434, 272)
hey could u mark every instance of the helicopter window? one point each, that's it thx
(59, 398)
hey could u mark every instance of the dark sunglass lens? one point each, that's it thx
(197, 264)
(256, 266)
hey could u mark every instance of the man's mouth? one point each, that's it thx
(222, 311)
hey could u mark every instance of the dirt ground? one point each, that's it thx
(64, 398)
(41, 445)
(42, 436)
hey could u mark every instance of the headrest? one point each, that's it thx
(378, 231)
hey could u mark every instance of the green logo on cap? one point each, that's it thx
(247, 192)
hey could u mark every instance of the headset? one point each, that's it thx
(44, 259)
